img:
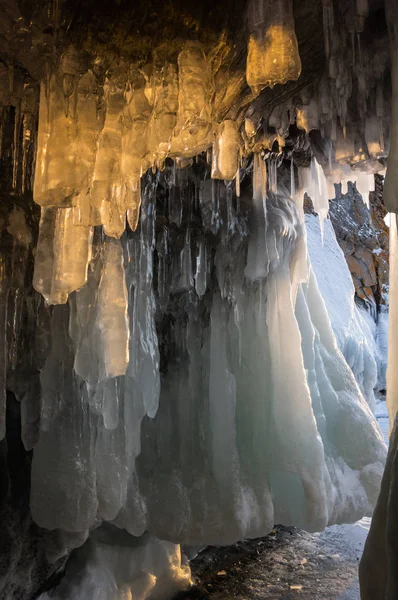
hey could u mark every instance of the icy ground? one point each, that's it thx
(288, 564)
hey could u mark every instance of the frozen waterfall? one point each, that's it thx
(237, 410)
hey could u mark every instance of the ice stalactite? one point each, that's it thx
(312, 181)
(365, 183)
(226, 151)
(193, 130)
(273, 55)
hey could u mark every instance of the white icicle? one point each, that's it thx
(112, 311)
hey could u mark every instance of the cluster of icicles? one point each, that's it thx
(94, 145)
(99, 132)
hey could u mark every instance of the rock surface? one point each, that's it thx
(363, 237)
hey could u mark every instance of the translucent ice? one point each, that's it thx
(193, 131)
(226, 150)
(106, 193)
(63, 253)
(273, 55)
(68, 133)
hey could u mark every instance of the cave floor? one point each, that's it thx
(288, 564)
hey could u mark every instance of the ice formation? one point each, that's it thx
(111, 567)
(196, 383)
(352, 327)
(273, 55)
(256, 314)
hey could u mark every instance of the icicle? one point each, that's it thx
(186, 279)
(163, 284)
(164, 82)
(292, 182)
(63, 254)
(133, 207)
(107, 195)
(250, 128)
(273, 175)
(193, 131)
(231, 218)
(320, 192)
(344, 148)
(112, 317)
(365, 183)
(201, 268)
(273, 55)
(257, 258)
(226, 151)
(134, 145)
(237, 185)
(87, 134)
(58, 176)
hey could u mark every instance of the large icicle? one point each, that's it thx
(106, 193)
(112, 319)
(63, 254)
(193, 131)
(273, 55)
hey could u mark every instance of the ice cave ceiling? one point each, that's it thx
(169, 362)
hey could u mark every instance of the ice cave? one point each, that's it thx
(198, 290)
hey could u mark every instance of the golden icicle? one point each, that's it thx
(63, 254)
(226, 150)
(112, 319)
(273, 55)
